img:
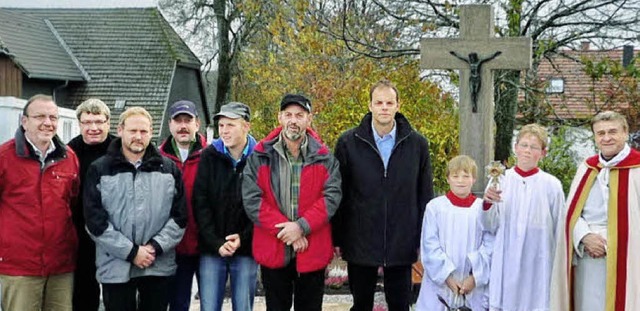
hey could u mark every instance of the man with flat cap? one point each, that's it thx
(291, 189)
(225, 229)
(183, 147)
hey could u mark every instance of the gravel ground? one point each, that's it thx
(331, 303)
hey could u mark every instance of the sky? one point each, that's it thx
(77, 3)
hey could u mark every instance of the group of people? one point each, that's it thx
(521, 248)
(142, 221)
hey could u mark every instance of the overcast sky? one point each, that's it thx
(77, 3)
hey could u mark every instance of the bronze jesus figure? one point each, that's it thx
(474, 78)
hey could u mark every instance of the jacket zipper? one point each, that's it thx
(386, 205)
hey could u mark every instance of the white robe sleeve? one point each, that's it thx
(437, 264)
(490, 218)
(480, 260)
(557, 210)
(579, 231)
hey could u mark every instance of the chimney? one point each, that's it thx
(627, 55)
(584, 45)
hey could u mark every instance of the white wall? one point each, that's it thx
(11, 112)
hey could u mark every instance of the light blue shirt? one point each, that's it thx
(385, 143)
(245, 151)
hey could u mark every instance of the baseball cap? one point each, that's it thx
(234, 110)
(298, 99)
(183, 106)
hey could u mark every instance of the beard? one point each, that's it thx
(293, 135)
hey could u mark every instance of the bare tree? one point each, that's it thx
(220, 30)
(388, 28)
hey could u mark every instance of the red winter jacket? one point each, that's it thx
(318, 200)
(189, 243)
(37, 235)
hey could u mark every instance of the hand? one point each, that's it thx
(145, 256)
(453, 284)
(300, 245)
(492, 195)
(595, 245)
(225, 250)
(290, 231)
(233, 240)
(337, 251)
(468, 285)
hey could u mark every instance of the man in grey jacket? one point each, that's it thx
(135, 211)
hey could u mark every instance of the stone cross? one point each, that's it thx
(475, 54)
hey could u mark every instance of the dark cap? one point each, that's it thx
(234, 110)
(183, 106)
(297, 99)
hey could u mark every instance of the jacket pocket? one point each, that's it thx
(61, 183)
(267, 250)
(319, 253)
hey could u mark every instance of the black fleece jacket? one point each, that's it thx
(379, 219)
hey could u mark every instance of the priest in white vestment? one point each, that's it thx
(597, 265)
(524, 215)
(455, 252)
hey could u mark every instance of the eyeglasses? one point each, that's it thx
(530, 147)
(95, 122)
(43, 117)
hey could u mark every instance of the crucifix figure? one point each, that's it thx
(478, 42)
(475, 80)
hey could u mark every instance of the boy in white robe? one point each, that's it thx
(524, 216)
(455, 252)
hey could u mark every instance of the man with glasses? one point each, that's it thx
(92, 143)
(39, 180)
(524, 215)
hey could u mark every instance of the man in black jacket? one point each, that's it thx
(386, 184)
(92, 143)
(224, 229)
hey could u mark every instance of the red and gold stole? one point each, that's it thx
(617, 231)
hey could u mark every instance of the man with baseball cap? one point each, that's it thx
(183, 147)
(225, 229)
(290, 190)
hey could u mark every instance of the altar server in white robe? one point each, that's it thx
(597, 266)
(454, 250)
(524, 216)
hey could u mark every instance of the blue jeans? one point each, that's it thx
(181, 282)
(214, 271)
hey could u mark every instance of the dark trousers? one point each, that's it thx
(397, 286)
(86, 290)
(182, 281)
(153, 291)
(279, 284)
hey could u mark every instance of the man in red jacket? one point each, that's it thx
(290, 190)
(38, 242)
(184, 147)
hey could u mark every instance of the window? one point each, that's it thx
(120, 104)
(66, 130)
(555, 86)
